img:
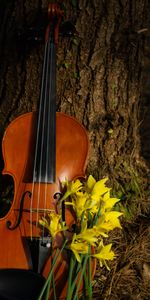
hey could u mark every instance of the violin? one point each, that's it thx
(40, 150)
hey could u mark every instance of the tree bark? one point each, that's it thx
(98, 76)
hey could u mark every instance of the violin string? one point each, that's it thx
(50, 121)
(40, 179)
(48, 111)
(37, 140)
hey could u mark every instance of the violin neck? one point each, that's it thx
(45, 150)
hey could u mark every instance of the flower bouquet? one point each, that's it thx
(83, 238)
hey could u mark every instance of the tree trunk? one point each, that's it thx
(99, 73)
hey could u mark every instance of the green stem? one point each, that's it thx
(49, 278)
(54, 287)
(96, 218)
(88, 286)
(48, 288)
(81, 276)
(89, 275)
(77, 274)
(78, 269)
(69, 287)
(87, 281)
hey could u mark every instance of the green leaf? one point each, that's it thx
(75, 42)
(127, 213)
(66, 65)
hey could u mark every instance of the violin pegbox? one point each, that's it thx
(55, 10)
(55, 14)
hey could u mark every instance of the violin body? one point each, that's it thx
(40, 151)
(71, 156)
(18, 149)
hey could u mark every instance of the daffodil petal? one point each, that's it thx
(91, 182)
(105, 253)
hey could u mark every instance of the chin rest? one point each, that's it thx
(18, 284)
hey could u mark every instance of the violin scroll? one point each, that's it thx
(55, 14)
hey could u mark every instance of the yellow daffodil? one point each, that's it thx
(92, 206)
(90, 183)
(108, 202)
(78, 202)
(104, 254)
(111, 217)
(99, 189)
(108, 221)
(92, 217)
(53, 224)
(87, 198)
(81, 203)
(101, 230)
(96, 189)
(72, 188)
(89, 235)
(78, 247)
